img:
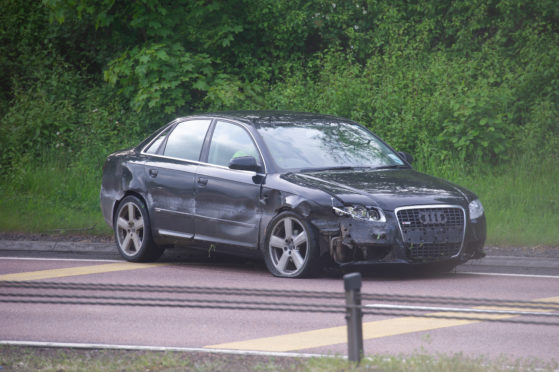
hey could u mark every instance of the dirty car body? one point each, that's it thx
(301, 190)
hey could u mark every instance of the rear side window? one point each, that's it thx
(186, 140)
(152, 149)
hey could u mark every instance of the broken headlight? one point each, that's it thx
(360, 212)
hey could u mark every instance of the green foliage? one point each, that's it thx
(41, 116)
(432, 105)
(53, 195)
(162, 77)
(474, 82)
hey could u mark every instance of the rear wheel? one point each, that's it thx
(291, 247)
(133, 231)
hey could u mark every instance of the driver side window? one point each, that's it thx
(230, 141)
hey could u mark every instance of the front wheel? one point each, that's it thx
(133, 232)
(291, 247)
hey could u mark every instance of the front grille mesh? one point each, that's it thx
(432, 251)
(432, 233)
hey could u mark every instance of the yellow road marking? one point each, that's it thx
(549, 299)
(74, 271)
(371, 330)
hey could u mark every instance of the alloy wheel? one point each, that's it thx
(130, 229)
(288, 246)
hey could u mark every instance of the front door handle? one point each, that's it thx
(153, 173)
(202, 181)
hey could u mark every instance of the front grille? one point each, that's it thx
(432, 233)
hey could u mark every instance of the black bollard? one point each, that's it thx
(352, 285)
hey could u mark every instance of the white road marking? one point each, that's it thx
(458, 310)
(163, 348)
(513, 275)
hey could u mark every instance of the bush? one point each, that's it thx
(467, 87)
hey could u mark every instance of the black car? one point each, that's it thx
(301, 190)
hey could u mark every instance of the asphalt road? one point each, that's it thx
(495, 277)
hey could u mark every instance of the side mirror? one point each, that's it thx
(246, 163)
(405, 156)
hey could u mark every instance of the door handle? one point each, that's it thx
(202, 181)
(153, 173)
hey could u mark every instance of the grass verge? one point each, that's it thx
(55, 197)
(521, 200)
(16, 358)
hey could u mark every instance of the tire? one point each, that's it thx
(291, 249)
(133, 231)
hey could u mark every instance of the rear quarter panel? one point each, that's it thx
(123, 173)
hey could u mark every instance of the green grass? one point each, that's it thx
(521, 200)
(15, 358)
(522, 206)
(53, 198)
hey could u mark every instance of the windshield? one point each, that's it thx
(326, 145)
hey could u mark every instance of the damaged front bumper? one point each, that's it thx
(362, 243)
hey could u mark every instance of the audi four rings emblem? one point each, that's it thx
(432, 218)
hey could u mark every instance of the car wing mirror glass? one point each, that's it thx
(246, 163)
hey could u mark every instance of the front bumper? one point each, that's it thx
(362, 243)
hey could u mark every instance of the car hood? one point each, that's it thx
(389, 189)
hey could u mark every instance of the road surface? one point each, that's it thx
(533, 279)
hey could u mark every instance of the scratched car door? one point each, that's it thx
(170, 179)
(227, 200)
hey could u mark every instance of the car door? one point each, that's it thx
(227, 200)
(171, 172)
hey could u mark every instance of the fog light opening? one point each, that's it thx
(340, 252)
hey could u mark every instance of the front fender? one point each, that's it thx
(320, 217)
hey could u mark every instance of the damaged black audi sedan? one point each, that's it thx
(301, 190)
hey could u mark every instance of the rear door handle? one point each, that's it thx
(202, 181)
(153, 173)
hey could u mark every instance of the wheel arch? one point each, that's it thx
(288, 202)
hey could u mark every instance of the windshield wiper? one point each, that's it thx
(395, 166)
(318, 169)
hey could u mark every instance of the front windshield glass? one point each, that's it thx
(326, 145)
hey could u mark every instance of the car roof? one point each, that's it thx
(273, 118)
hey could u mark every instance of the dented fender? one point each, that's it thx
(129, 179)
(276, 201)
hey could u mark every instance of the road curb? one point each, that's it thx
(55, 246)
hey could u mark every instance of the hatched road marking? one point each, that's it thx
(371, 330)
(75, 271)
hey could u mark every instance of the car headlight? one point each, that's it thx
(360, 212)
(476, 209)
